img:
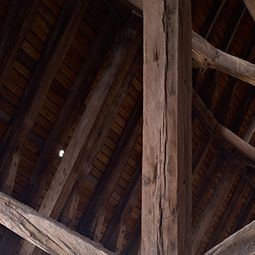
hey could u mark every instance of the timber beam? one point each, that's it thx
(250, 4)
(43, 232)
(242, 146)
(167, 129)
(34, 97)
(242, 242)
(103, 98)
(207, 56)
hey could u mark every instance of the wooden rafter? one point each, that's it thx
(106, 87)
(105, 117)
(242, 242)
(207, 56)
(37, 90)
(115, 226)
(242, 146)
(91, 223)
(58, 134)
(229, 213)
(13, 33)
(250, 4)
(70, 109)
(230, 175)
(167, 163)
(45, 233)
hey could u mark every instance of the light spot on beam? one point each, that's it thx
(61, 153)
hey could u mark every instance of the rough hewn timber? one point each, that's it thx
(69, 110)
(81, 136)
(166, 180)
(250, 4)
(34, 96)
(240, 145)
(45, 233)
(207, 56)
(95, 212)
(242, 242)
(111, 235)
(230, 175)
(13, 33)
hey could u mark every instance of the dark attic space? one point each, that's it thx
(127, 127)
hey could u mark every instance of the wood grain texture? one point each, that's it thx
(66, 173)
(33, 99)
(230, 175)
(13, 33)
(242, 242)
(250, 4)
(166, 177)
(45, 233)
(206, 55)
(240, 145)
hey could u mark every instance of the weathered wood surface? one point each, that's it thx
(37, 90)
(82, 134)
(216, 201)
(13, 33)
(231, 173)
(207, 56)
(250, 4)
(70, 109)
(45, 233)
(242, 146)
(58, 134)
(128, 200)
(240, 243)
(93, 219)
(167, 131)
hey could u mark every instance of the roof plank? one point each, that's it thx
(34, 97)
(105, 87)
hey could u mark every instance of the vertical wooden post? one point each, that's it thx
(167, 134)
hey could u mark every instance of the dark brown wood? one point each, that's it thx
(230, 41)
(207, 56)
(104, 121)
(215, 202)
(70, 110)
(134, 240)
(13, 33)
(132, 193)
(81, 137)
(241, 146)
(166, 177)
(206, 144)
(70, 210)
(230, 175)
(231, 208)
(242, 242)
(200, 193)
(33, 99)
(251, 7)
(95, 212)
(45, 233)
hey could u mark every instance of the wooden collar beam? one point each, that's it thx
(43, 232)
(241, 242)
(243, 147)
(206, 55)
